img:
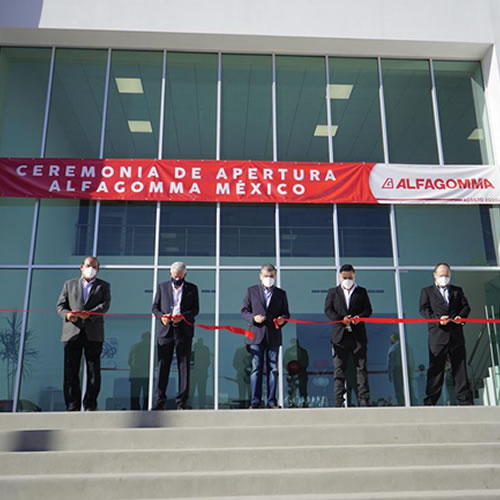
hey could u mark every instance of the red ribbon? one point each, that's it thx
(391, 321)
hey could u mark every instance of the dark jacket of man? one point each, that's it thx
(71, 299)
(254, 303)
(164, 303)
(433, 305)
(336, 309)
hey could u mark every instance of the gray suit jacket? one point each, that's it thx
(71, 299)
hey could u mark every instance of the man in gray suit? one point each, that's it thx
(83, 332)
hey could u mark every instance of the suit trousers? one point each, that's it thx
(342, 354)
(73, 350)
(435, 374)
(182, 347)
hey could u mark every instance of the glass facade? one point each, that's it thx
(138, 104)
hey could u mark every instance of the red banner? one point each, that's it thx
(247, 181)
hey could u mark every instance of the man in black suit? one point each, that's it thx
(347, 302)
(174, 298)
(446, 338)
(83, 333)
(263, 304)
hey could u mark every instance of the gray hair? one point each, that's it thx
(269, 268)
(178, 266)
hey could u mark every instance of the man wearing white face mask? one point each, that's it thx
(346, 303)
(263, 304)
(83, 332)
(446, 338)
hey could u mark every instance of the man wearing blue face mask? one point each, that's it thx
(446, 338)
(263, 304)
(83, 332)
(346, 303)
(173, 299)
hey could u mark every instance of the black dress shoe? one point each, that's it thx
(158, 406)
(181, 407)
(273, 406)
(73, 408)
(254, 406)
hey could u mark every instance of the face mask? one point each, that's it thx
(443, 280)
(89, 272)
(347, 284)
(177, 282)
(268, 282)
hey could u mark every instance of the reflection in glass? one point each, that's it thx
(126, 232)
(65, 231)
(16, 221)
(408, 107)
(187, 233)
(190, 106)
(76, 103)
(133, 116)
(12, 297)
(42, 381)
(462, 112)
(365, 234)
(306, 235)
(246, 107)
(24, 75)
(430, 234)
(355, 109)
(301, 110)
(247, 234)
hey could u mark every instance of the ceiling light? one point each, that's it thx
(476, 135)
(140, 126)
(340, 90)
(129, 85)
(322, 130)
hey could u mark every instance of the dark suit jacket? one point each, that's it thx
(336, 309)
(71, 299)
(432, 305)
(254, 303)
(164, 302)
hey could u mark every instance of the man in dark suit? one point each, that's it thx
(446, 338)
(263, 304)
(346, 303)
(83, 332)
(175, 298)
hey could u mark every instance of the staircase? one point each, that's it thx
(355, 453)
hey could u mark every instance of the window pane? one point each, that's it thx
(306, 235)
(408, 108)
(307, 345)
(24, 75)
(42, 382)
(11, 297)
(16, 221)
(76, 104)
(133, 116)
(191, 106)
(247, 234)
(65, 232)
(355, 110)
(127, 341)
(246, 107)
(127, 233)
(234, 359)
(460, 235)
(481, 288)
(187, 233)
(201, 381)
(462, 112)
(365, 235)
(300, 92)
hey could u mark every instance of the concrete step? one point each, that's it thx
(205, 437)
(247, 418)
(233, 459)
(256, 483)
